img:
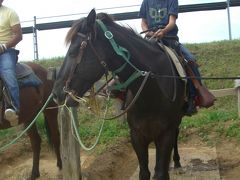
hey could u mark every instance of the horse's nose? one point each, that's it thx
(58, 97)
(55, 98)
(70, 102)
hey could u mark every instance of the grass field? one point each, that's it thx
(216, 59)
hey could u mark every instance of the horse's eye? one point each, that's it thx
(73, 52)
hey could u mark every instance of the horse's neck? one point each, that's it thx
(146, 54)
(150, 58)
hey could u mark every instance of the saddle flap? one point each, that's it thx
(173, 56)
(169, 89)
(23, 70)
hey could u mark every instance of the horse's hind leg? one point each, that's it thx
(164, 145)
(35, 140)
(51, 119)
(176, 157)
(141, 148)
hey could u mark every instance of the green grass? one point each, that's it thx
(216, 59)
(7, 135)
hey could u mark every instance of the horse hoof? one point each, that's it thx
(34, 176)
(59, 165)
(154, 177)
(177, 165)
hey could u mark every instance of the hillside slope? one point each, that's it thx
(218, 59)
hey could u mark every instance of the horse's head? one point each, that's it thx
(85, 61)
(98, 44)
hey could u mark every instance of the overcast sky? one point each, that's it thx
(194, 27)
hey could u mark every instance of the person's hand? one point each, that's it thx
(149, 34)
(159, 34)
(3, 48)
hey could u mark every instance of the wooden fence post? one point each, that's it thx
(237, 86)
(70, 150)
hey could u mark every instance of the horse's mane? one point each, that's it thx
(106, 19)
(73, 30)
(77, 24)
(130, 35)
(109, 20)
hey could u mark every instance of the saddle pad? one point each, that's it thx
(22, 70)
(175, 60)
(30, 80)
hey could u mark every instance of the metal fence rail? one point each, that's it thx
(134, 15)
(127, 16)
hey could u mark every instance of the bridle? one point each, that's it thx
(87, 40)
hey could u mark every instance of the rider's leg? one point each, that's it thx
(191, 109)
(7, 72)
(190, 59)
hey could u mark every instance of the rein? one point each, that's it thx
(78, 99)
(134, 99)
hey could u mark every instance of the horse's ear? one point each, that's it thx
(91, 18)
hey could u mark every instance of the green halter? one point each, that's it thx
(121, 51)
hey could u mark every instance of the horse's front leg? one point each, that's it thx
(36, 147)
(164, 145)
(141, 148)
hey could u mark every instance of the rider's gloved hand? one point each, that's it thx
(3, 48)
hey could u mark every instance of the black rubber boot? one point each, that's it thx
(191, 108)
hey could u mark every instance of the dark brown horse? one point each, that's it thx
(98, 45)
(31, 101)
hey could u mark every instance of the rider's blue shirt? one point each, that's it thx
(157, 12)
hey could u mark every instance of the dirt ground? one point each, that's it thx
(118, 163)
